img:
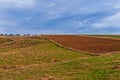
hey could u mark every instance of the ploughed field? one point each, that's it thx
(89, 44)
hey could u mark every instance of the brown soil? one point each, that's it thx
(87, 44)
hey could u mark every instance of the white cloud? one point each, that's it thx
(115, 4)
(2, 30)
(5, 23)
(111, 21)
(81, 23)
(17, 3)
(61, 8)
(77, 24)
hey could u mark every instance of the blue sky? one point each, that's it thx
(60, 16)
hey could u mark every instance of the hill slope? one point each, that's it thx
(36, 58)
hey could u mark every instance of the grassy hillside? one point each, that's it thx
(36, 58)
(3, 40)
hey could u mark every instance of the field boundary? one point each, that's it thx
(89, 53)
(69, 48)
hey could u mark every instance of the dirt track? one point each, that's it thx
(87, 44)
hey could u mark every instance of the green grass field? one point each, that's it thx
(36, 58)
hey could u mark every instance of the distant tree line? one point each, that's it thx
(18, 35)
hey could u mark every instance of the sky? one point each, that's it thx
(60, 16)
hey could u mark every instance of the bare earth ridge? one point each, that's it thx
(87, 44)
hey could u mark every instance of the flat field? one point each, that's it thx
(37, 58)
(88, 44)
(107, 36)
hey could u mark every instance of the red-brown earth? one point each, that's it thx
(92, 45)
